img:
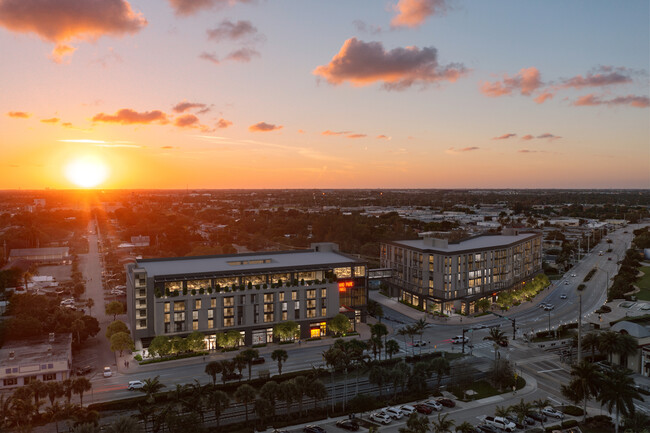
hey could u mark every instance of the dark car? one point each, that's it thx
(313, 429)
(258, 360)
(423, 408)
(487, 428)
(84, 370)
(537, 416)
(232, 376)
(347, 424)
(515, 421)
(446, 402)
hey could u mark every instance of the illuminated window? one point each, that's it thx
(228, 301)
(195, 315)
(323, 311)
(311, 294)
(228, 321)
(213, 302)
(323, 293)
(268, 317)
(284, 315)
(167, 317)
(294, 295)
(197, 284)
(281, 296)
(343, 272)
(210, 314)
(173, 286)
(179, 306)
(197, 304)
(166, 309)
(360, 271)
(210, 323)
(311, 313)
(268, 297)
(229, 311)
(195, 325)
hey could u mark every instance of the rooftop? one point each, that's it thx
(247, 262)
(21, 252)
(475, 243)
(34, 351)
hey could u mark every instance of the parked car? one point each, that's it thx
(515, 421)
(434, 405)
(459, 339)
(500, 423)
(347, 424)
(419, 343)
(537, 416)
(446, 402)
(258, 360)
(135, 384)
(407, 409)
(381, 417)
(313, 429)
(107, 372)
(549, 411)
(232, 376)
(549, 307)
(423, 408)
(84, 370)
(394, 412)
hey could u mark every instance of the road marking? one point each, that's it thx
(548, 371)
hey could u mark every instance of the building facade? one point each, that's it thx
(639, 362)
(44, 359)
(440, 276)
(41, 255)
(249, 293)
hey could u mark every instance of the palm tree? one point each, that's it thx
(584, 383)
(54, 413)
(248, 356)
(54, 390)
(270, 391)
(245, 394)
(617, 391)
(465, 427)
(318, 391)
(392, 347)
(416, 424)
(152, 387)
(218, 402)
(497, 337)
(239, 363)
(67, 389)
(376, 345)
(279, 355)
(418, 328)
(636, 422)
(442, 425)
(626, 345)
(607, 342)
(90, 303)
(399, 375)
(287, 394)
(502, 411)
(379, 376)
(590, 342)
(540, 404)
(146, 411)
(79, 386)
(124, 424)
(302, 385)
(440, 366)
(213, 368)
(377, 331)
(262, 409)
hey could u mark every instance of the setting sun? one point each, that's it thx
(86, 172)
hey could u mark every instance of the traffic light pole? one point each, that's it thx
(514, 328)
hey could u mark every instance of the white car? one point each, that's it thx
(107, 372)
(135, 384)
(549, 307)
(433, 405)
(407, 409)
(419, 343)
(549, 411)
(459, 339)
(380, 417)
(479, 326)
(394, 412)
(563, 296)
(573, 275)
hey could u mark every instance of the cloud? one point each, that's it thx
(527, 151)
(328, 132)
(363, 63)
(191, 7)
(184, 106)
(264, 127)
(232, 31)
(356, 135)
(631, 100)
(60, 21)
(210, 57)
(187, 121)
(243, 55)
(51, 120)
(18, 114)
(167, 147)
(603, 76)
(382, 137)
(451, 150)
(127, 116)
(60, 51)
(223, 123)
(527, 137)
(548, 136)
(526, 81)
(412, 13)
(543, 97)
(366, 28)
(102, 143)
(504, 136)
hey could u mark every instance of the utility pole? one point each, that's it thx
(579, 324)
(514, 328)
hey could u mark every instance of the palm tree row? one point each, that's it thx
(411, 331)
(402, 375)
(610, 343)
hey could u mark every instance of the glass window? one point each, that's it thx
(268, 317)
(173, 286)
(307, 276)
(343, 272)
(268, 297)
(179, 306)
(195, 315)
(210, 323)
(167, 317)
(254, 279)
(228, 321)
(166, 309)
(197, 284)
(213, 302)
(195, 325)
(360, 271)
(226, 282)
(281, 296)
(277, 277)
(229, 311)
(228, 301)
(323, 293)
(197, 304)
(210, 314)
(294, 295)
(311, 293)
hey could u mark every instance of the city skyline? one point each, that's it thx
(393, 94)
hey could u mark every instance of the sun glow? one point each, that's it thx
(86, 172)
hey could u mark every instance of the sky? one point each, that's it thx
(324, 94)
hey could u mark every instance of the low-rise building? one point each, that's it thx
(249, 293)
(640, 361)
(41, 255)
(45, 359)
(438, 275)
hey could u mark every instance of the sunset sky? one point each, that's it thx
(325, 93)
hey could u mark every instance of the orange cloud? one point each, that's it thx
(18, 114)
(412, 13)
(356, 135)
(548, 136)
(264, 127)
(382, 137)
(504, 136)
(603, 76)
(223, 123)
(63, 20)
(363, 63)
(51, 120)
(526, 81)
(328, 132)
(631, 100)
(191, 7)
(527, 137)
(126, 116)
(187, 121)
(60, 51)
(543, 97)
(184, 106)
(452, 150)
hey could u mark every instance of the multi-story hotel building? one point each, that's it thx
(441, 276)
(250, 293)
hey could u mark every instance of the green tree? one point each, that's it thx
(248, 356)
(379, 376)
(318, 391)
(179, 345)
(195, 342)
(637, 422)
(121, 342)
(440, 366)
(218, 402)
(114, 308)
(77, 327)
(124, 424)
(483, 304)
(590, 341)
(286, 331)
(213, 368)
(270, 391)
(521, 409)
(497, 337)
(584, 383)
(80, 385)
(626, 345)
(54, 390)
(245, 394)
(160, 346)
(263, 410)
(392, 348)
(90, 303)
(415, 424)
(339, 324)
(115, 327)
(54, 413)
(442, 424)
(279, 355)
(465, 427)
(287, 394)
(151, 388)
(540, 404)
(377, 331)
(502, 411)
(607, 343)
(301, 385)
(617, 391)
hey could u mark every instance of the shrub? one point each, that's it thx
(201, 290)
(184, 290)
(209, 289)
(569, 423)
(138, 357)
(193, 292)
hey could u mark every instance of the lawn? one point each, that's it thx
(644, 284)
